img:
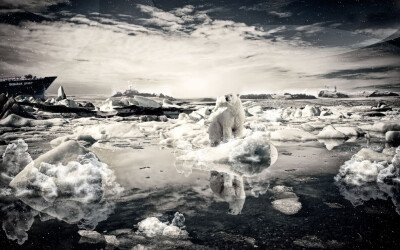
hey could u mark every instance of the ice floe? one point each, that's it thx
(78, 191)
(110, 104)
(152, 227)
(15, 158)
(292, 134)
(361, 179)
(16, 121)
(329, 132)
(393, 137)
(285, 200)
(383, 126)
(240, 155)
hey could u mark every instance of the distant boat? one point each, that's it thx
(27, 85)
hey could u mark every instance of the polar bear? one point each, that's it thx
(229, 187)
(228, 123)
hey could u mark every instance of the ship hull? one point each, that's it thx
(27, 87)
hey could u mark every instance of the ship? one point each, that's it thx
(27, 85)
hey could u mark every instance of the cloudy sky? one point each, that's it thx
(188, 48)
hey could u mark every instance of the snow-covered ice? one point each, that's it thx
(63, 184)
(152, 227)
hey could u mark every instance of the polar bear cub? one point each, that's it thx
(229, 123)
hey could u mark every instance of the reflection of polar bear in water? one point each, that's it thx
(228, 123)
(230, 188)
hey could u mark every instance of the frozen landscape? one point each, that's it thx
(320, 173)
(199, 124)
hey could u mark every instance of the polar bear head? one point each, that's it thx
(232, 99)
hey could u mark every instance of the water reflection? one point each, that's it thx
(17, 220)
(229, 187)
(227, 180)
(358, 195)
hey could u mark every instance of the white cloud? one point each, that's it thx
(311, 29)
(281, 14)
(215, 57)
(377, 33)
(30, 5)
(186, 10)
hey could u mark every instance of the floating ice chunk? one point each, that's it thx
(61, 94)
(188, 134)
(107, 131)
(357, 173)
(298, 113)
(370, 155)
(383, 126)
(329, 132)
(393, 137)
(285, 200)
(362, 180)
(310, 111)
(255, 110)
(288, 206)
(172, 231)
(254, 150)
(16, 121)
(326, 113)
(77, 192)
(274, 115)
(50, 101)
(67, 103)
(350, 131)
(15, 158)
(79, 181)
(63, 153)
(361, 169)
(178, 220)
(111, 240)
(152, 227)
(128, 101)
(292, 134)
(396, 159)
(281, 189)
(332, 143)
(93, 237)
(257, 126)
(110, 105)
(147, 102)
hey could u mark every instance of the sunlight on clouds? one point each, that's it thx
(213, 58)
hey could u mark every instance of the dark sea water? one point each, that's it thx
(154, 187)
